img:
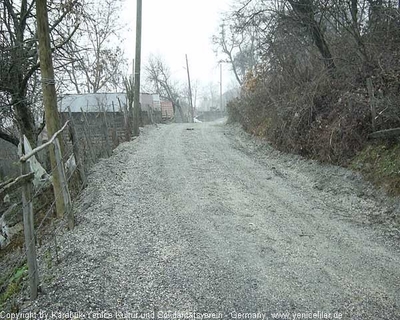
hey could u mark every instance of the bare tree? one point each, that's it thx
(304, 12)
(259, 19)
(19, 62)
(209, 97)
(159, 77)
(308, 90)
(238, 48)
(96, 60)
(195, 89)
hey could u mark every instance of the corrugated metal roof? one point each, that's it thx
(97, 102)
(92, 102)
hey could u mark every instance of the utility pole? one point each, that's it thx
(130, 98)
(195, 99)
(136, 108)
(49, 96)
(133, 71)
(190, 90)
(220, 87)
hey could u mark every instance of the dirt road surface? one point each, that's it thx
(207, 220)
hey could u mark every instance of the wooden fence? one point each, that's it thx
(84, 142)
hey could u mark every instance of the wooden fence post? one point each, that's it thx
(64, 185)
(29, 232)
(86, 133)
(106, 134)
(114, 129)
(76, 150)
(127, 128)
(151, 115)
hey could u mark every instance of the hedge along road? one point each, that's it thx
(208, 220)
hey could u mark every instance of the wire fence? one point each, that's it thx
(83, 140)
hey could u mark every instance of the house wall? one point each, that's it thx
(167, 110)
(146, 102)
(93, 102)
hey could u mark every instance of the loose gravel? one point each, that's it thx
(212, 220)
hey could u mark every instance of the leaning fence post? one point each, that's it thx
(106, 135)
(64, 185)
(29, 232)
(75, 148)
(114, 129)
(86, 132)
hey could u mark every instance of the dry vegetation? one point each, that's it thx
(308, 91)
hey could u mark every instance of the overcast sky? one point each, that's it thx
(174, 28)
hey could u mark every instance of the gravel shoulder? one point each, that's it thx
(210, 219)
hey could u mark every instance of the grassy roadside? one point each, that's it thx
(11, 286)
(379, 162)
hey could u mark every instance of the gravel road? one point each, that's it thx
(209, 220)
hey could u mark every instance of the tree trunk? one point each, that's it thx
(305, 11)
(25, 120)
(322, 46)
(23, 113)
